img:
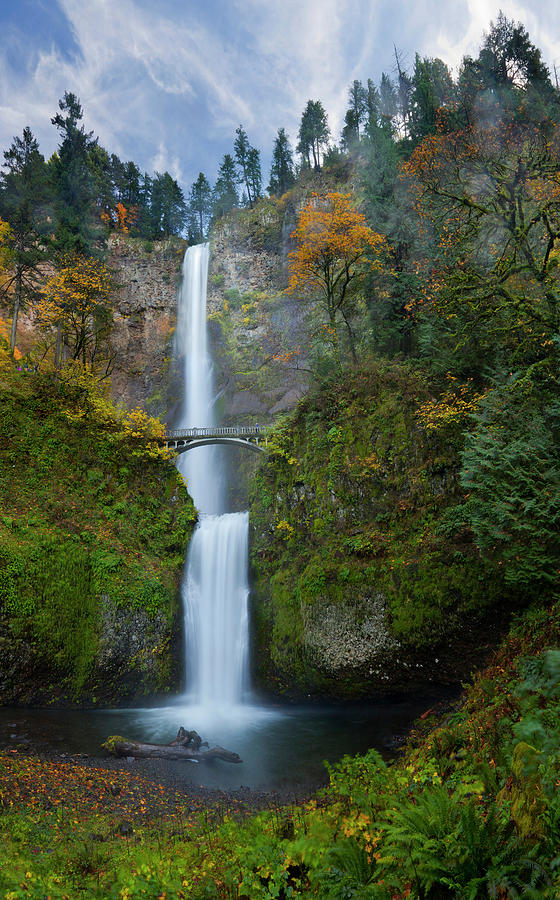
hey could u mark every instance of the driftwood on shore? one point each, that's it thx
(187, 745)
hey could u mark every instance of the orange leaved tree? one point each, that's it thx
(335, 248)
(75, 302)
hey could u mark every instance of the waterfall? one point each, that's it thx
(215, 588)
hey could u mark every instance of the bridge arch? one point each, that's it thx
(253, 437)
(180, 447)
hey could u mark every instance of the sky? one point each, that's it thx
(166, 82)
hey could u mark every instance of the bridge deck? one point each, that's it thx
(240, 431)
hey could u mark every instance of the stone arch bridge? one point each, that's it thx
(254, 437)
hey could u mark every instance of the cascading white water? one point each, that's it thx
(217, 609)
(215, 588)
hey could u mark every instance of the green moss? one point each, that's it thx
(95, 517)
(347, 504)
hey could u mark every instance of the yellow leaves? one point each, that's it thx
(120, 218)
(3, 330)
(75, 291)
(285, 530)
(6, 252)
(331, 236)
(138, 424)
(452, 408)
(147, 431)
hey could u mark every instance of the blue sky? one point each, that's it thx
(166, 82)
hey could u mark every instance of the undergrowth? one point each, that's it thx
(470, 810)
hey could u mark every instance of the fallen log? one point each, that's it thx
(187, 745)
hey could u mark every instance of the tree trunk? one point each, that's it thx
(17, 305)
(57, 346)
(187, 745)
(350, 338)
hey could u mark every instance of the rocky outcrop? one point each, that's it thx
(144, 312)
(259, 332)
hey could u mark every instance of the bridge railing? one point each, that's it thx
(220, 431)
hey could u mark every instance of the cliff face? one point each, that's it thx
(94, 526)
(255, 326)
(144, 315)
(356, 586)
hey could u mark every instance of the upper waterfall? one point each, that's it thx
(199, 467)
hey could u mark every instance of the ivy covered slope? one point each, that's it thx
(93, 528)
(358, 585)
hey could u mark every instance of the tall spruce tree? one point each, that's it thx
(313, 134)
(254, 172)
(282, 169)
(388, 102)
(242, 149)
(225, 196)
(356, 114)
(72, 178)
(168, 210)
(432, 89)
(200, 208)
(24, 196)
(508, 75)
(372, 108)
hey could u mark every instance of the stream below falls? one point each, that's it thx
(282, 747)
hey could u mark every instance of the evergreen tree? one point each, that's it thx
(356, 113)
(313, 134)
(432, 89)
(129, 186)
(200, 208)
(72, 178)
(349, 137)
(168, 210)
(254, 172)
(24, 194)
(225, 196)
(242, 149)
(144, 225)
(388, 104)
(404, 95)
(282, 169)
(508, 76)
(104, 193)
(372, 108)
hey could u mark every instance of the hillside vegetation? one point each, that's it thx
(359, 580)
(94, 525)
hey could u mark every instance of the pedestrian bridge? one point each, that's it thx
(254, 437)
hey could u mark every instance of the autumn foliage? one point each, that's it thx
(491, 199)
(334, 249)
(75, 302)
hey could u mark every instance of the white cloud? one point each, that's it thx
(452, 43)
(163, 161)
(169, 90)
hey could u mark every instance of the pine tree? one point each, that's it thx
(313, 133)
(404, 94)
(168, 210)
(388, 105)
(200, 207)
(373, 106)
(282, 169)
(355, 114)
(72, 178)
(432, 89)
(242, 150)
(254, 172)
(24, 195)
(225, 196)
